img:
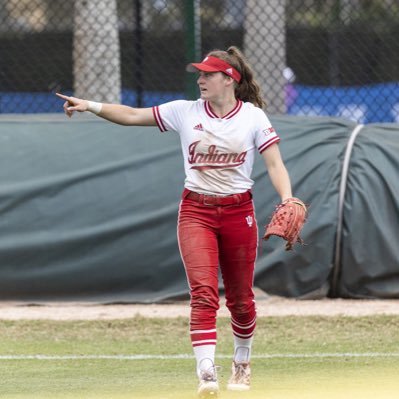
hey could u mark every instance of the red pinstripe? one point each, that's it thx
(158, 119)
(268, 144)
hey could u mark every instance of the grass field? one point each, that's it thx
(294, 357)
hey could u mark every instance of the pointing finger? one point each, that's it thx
(64, 97)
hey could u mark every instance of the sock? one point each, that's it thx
(242, 349)
(204, 345)
(243, 332)
(205, 357)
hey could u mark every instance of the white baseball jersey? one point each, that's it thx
(218, 152)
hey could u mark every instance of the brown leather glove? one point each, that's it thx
(287, 221)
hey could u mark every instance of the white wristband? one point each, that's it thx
(94, 107)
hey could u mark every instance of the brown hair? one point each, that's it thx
(248, 89)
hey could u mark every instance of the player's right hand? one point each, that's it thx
(73, 104)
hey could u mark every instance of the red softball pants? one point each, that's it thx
(212, 235)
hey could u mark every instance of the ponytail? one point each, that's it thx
(248, 89)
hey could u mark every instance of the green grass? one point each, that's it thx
(369, 376)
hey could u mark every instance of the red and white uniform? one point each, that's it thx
(218, 152)
(218, 160)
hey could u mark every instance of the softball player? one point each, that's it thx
(220, 134)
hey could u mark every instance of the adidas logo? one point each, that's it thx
(229, 71)
(199, 127)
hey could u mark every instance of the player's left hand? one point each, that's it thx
(287, 221)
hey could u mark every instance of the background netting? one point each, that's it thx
(311, 57)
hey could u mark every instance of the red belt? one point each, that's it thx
(217, 200)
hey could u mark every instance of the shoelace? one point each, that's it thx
(241, 371)
(211, 373)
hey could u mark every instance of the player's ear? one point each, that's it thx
(229, 80)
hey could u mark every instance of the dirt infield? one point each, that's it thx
(266, 305)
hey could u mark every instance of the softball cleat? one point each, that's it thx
(240, 379)
(208, 385)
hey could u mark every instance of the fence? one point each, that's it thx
(312, 57)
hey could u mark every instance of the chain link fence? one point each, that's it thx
(311, 57)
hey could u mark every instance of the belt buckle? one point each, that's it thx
(211, 198)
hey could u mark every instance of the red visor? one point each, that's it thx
(214, 64)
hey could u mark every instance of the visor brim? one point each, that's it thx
(195, 67)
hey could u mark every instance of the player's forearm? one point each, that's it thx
(277, 172)
(120, 114)
(281, 181)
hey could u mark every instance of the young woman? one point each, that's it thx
(220, 134)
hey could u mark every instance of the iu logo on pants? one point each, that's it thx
(249, 220)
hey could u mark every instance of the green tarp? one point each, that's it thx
(370, 251)
(88, 211)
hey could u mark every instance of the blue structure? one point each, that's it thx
(366, 104)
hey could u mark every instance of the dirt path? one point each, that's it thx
(266, 305)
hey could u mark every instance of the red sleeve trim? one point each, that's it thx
(158, 119)
(268, 144)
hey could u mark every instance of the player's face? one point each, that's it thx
(211, 84)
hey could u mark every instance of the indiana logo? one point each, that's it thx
(249, 220)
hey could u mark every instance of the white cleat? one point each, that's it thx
(208, 386)
(208, 389)
(240, 379)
